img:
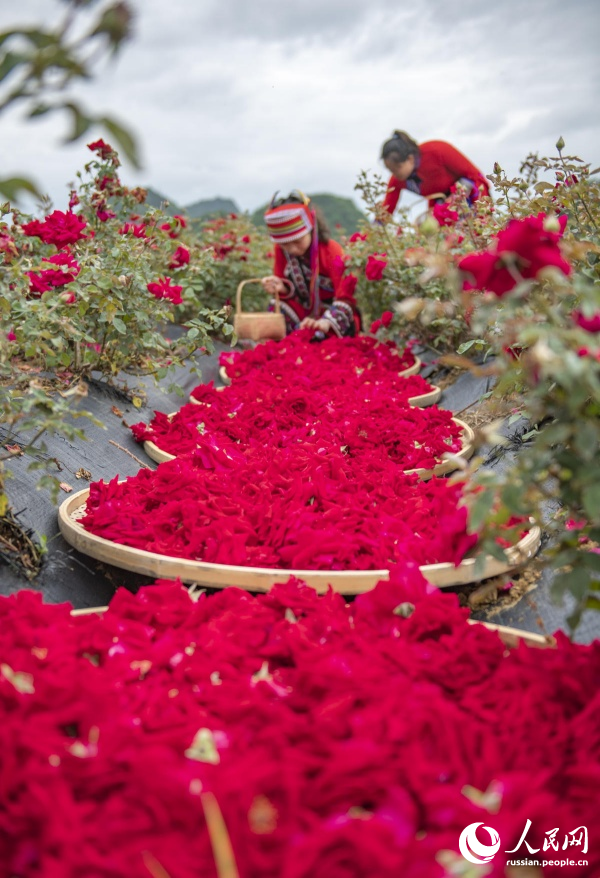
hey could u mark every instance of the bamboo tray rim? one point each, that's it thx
(153, 564)
(506, 633)
(441, 469)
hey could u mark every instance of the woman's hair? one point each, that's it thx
(297, 197)
(399, 147)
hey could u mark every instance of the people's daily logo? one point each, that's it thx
(473, 850)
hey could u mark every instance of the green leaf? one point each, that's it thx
(480, 509)
(591, 500)
(497, 552)
(81, 122)
(40, 110)
(591, 560)
(119, 325)
(586, 440)
(12, 186)
(9, 62)
(123, 137)
(467, 345)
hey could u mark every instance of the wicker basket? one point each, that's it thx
(257, 325)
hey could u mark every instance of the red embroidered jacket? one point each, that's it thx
(441, 165)
(337, 301)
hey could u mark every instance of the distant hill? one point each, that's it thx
(155, 199)
(209, 207)
(338, 211)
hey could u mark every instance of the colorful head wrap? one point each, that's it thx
(289, 221)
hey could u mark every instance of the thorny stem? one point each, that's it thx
(585, 207)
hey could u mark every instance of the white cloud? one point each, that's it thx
(239, 99)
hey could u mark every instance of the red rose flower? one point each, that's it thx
(103, 149)
(180, 258)
(375, 266)
(104, 214)
(357, 236)
(165, 289)
(138, 231)
(386, 318)
(590, 324)
(529, 245)
(445, 215)
(348, 285)
(47, 279)
(65, 257)
(58, 228)
(487, 273)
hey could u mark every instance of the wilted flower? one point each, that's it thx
(103, 149)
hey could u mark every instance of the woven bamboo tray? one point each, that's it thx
(406, 373)
(446, 466)
(510, 636)
(263, 578)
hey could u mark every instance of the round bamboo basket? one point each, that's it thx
(223, 376)
(405, 373)
(263, 578)
(422, 401)
(443, 468)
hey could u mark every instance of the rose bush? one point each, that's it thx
(238, 250)
(521, 280)
(92, 289)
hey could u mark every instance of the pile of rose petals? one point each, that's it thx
(301, 464)
(297, 507)
(352, 741)
(254, 414)
(333, 355)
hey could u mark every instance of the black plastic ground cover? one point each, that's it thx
(68, 575)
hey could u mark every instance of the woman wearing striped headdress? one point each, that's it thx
(308, 270)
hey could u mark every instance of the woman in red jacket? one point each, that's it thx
(430, 169)
(308, 270)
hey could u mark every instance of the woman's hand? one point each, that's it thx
(274, 285)
(320, 325)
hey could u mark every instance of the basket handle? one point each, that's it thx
(238, 297)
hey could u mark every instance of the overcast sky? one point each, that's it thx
(239, 98)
